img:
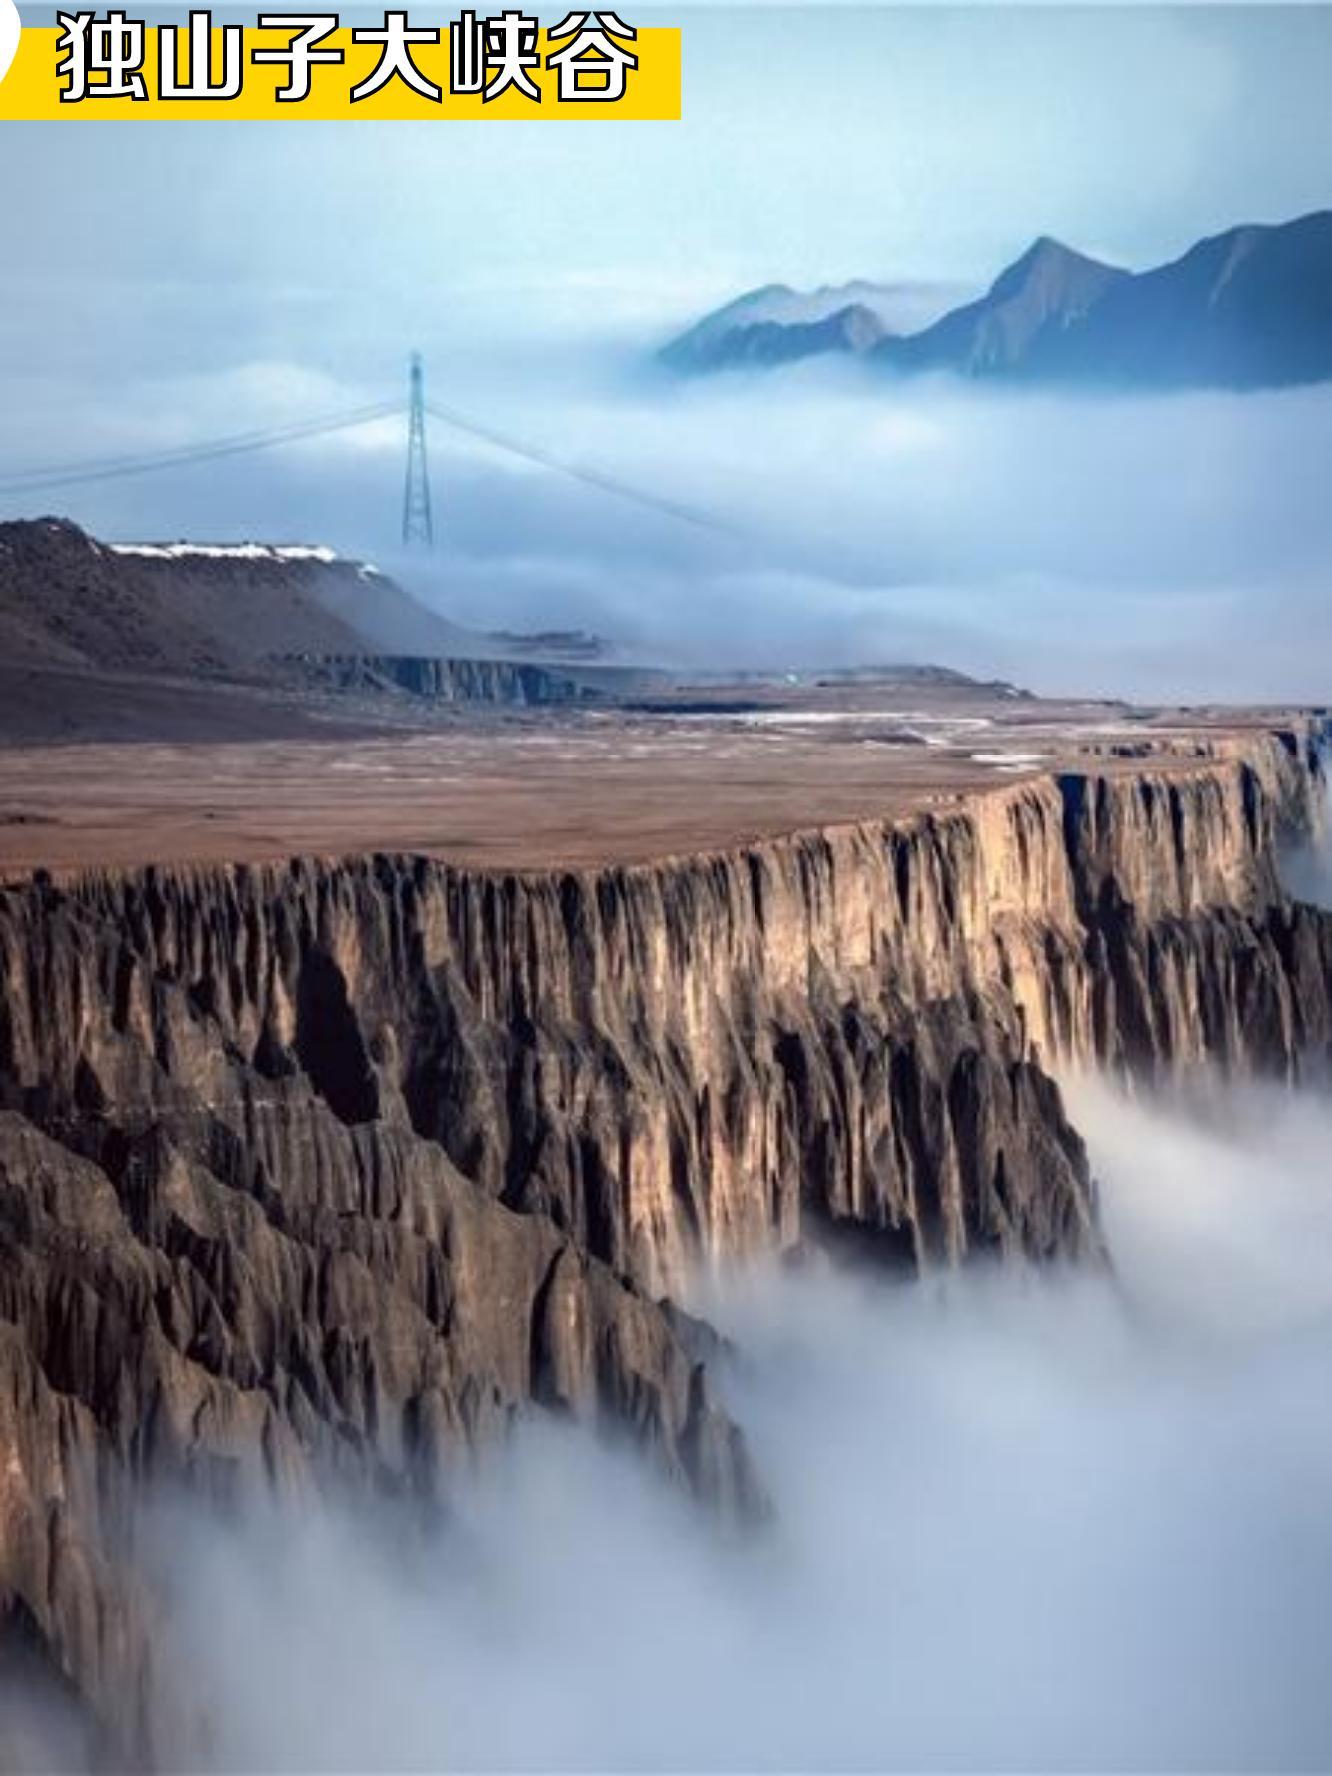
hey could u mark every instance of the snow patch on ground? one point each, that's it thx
(228, 551)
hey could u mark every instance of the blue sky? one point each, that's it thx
(817, 143)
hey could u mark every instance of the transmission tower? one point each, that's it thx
(417, 525)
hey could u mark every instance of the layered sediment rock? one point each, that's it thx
(324, 1170)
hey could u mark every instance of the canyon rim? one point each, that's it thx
(326, 1178)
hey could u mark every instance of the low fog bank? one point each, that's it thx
(1167, 547)
(1306, 870)
(1023, 1522)
(1164, 547)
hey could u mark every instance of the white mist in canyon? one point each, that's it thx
(1020, 1522)
(1307, 870)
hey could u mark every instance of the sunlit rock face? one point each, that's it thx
(318, 1174)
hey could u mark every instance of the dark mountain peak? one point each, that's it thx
(1045, 249)
(1050, 288)
(1048, 266)
(855, 328)
(756, 298)
(859, 325)
(1306, 230)
(1250, 307)
(1302, 245)
(1214, 250)
(776, 324)
(1313, 226)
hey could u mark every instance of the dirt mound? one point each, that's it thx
(178, 641)
(190, 610)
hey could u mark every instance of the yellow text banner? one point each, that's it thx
(31, 91)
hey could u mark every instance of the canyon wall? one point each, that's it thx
(691, 1057)
(506, 683)
(318, 1172)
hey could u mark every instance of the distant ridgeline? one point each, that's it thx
(1251, 308)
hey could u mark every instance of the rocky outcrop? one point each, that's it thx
(316, 1174)
(169, 1310)
(209, 1275)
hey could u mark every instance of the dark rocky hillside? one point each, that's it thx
(223, 610)
(159, 641)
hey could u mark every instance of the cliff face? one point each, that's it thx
(509, 683)
(326, 1169)
(686, 1058)
(208, 1276)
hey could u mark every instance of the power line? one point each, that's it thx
(88, 470)
(186, 455)
(580, 472)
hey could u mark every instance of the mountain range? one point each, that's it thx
(1250, 308)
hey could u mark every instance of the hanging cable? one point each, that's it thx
(80, 473)
(578, 472)
(111, 468)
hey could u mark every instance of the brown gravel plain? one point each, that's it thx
(564, 788)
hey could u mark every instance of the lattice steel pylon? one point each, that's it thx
(417, 523)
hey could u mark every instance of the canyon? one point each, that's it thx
(320, 1171)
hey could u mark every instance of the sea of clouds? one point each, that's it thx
(1059, 1521)
(1158, 546)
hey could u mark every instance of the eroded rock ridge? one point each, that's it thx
(320, 1172)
